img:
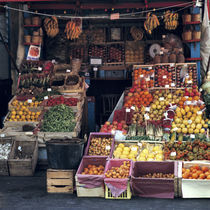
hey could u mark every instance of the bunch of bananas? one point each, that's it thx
(72, 30)
(51, 26)
(136, 33)
(171, 20)
(151, 23)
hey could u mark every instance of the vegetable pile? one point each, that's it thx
(59, 118)
(61, 100)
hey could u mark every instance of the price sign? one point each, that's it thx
(127, 110)
(188, 102)
(115, 16)
(108, 147)
(186, 97)
(190, 121)
(46, 97)
(173, 85)
(164, 76)
(166, 86)
(175, 129)
(141, 75)
(161, 98)
(2, 135)
(134, 149)
(140, 144)
(171, 65)
(192, 136)
(147, 79)
(199, 112)
(133, 107)
(95, 61)
(29, 101)
(173, 154)
(147, 109)
(95, 69)
(150, 68)
(39, 68)
(19, 148)
(146, 116)
(189, 82)
(68, 70)
(49, 89)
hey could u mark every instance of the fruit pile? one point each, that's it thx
(30, 103)
(165, 76)
(100, 146)
(196, 172)
(188, 151)
(151, 153)
(158, 175)
(123, 152)
(121, 172)
(162, 98)
(108, 127)
(93, 170)
(61, 100)
(143, 78)
(137, 98)
(115, 53)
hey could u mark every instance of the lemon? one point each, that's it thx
(205, 125)
(196, 131)
(177, 120)
(151, 155)
(188, 126)
(185, 122)
(192, 126)
(197, 120)
(179, 114)
(190, 130)
(153, 106)
(182, 126)
(125, 152)
(184, 130)
(198, 126)
(145, 151)
(141, 159)
(202, 130)
(150, 159)
(179, 130)
(159, 156)
(187, 108)
(142, 154)
(202, 122)
(127, 149)
(120, 145)
(189, 114)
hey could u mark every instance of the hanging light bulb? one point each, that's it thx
(64, 12)
(112, 9)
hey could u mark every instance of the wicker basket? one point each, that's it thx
(75, 65)
(186, 18)
(196, 17)
(187, 35)
(196, 35)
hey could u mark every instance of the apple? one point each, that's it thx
(107, 123)
(115, 123)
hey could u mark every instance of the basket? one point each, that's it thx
(75, 65)
(27, 21)
(125, 195)
(196, 17)
(187, 35)
(186, 18)
(36, 20)
(27, 39)
(196, 34)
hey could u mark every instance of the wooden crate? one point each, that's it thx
(23, 167)
(60, 181)
(4, 170)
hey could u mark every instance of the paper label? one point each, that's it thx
(188, 102)
(147, 79)
(53, 61)
(186, 97)
(192, 136)
(164, 76)
(2, 135)
(29, 133)
(133, 107)
(141, 75)
(163, 36)
(134, 149)
(199, 112)
(46, 97)
(108, 147)
(113, 132)
(127, 110)
(146, 116)
(150, 68)
(171, 65)
(189, 82)
(147, 109)
(49, 89)
(115, 16)
(29, 101)
(185, 65)
(200, 89)
(161, 53)
(68, 70)
(95, 69)
(173, 85)
(173, 154)
(189, 121)
(140, 144)
(39, 68)
(19, 148)
(175, 129)
(161, 98)
(166, 86)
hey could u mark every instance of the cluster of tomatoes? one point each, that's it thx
(196, 172)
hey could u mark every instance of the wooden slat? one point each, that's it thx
(64, 182)
(59, 174)
(66, 189)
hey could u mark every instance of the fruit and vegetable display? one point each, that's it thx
(97, 51)
(171, 20)
(165, 76)
(73, 29)
(121, 172)
(126, 152)
(187, 150)
(59, 118)
(151, 152)
(158, 176)
(136, 33)
(108, 127)
(151, 22)
(77, 52)
(93, 170)
(196, 172)
(44, 94)
(53, 101)
(143, 77)
(51, 26)
(115, 53)
(100, 146)
(5, 150)
(134, 55)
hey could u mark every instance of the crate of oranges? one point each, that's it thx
(196, 179)
(90, 177)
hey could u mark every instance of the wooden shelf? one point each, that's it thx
(27, 26)
(102, 79)
(192, 23)
(193, 40)
(193, 59)
(31, 44)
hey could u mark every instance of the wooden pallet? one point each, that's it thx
(60, 181)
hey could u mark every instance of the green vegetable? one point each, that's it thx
(41, 96)
(59, 118)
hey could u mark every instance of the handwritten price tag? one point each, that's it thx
(192, 136)
(29, 101)
(134, 149)
(166, 86)
(173, 85)
(68, 70)
(49, 89)
(175, 129)
(164, 76)
(108, 147)
(147, 79)
(127, 110)
(199, 112)
(46, 97)
(147, 109)
(190, 121)
(141, 75)
(173, 154)
(146, 116)
(2, 135)
(161, 98)
(133, 107)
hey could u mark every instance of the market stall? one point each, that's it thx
(146, 135)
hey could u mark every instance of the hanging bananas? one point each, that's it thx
(151, 23)
(171, 20)
(51, 26)
(72, 30)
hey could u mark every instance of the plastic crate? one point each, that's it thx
(125, 195)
